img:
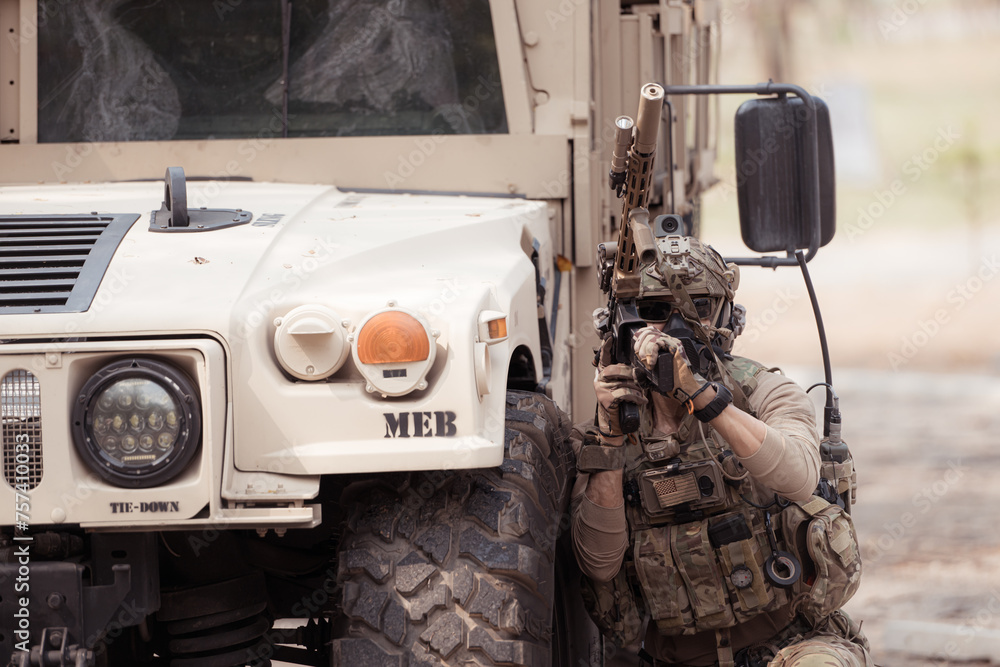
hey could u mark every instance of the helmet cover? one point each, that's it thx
(703, 273)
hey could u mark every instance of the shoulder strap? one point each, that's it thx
(813, 506)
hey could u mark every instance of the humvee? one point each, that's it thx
(295, 301)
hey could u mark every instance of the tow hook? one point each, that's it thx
(53, 652)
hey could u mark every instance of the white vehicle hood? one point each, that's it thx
(303, 243)
(450, 259)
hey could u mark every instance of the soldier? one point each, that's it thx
(705, 520)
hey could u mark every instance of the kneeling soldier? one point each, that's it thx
(705, 520)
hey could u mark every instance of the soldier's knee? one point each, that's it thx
(814, 654)
(812, 660)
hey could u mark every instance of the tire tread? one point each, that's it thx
(443, 568)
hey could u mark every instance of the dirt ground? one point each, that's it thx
(925, 448)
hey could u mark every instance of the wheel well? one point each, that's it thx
(521, 370)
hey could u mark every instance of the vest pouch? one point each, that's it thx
(823, 538)
(842, 476)
(613, 608)
(741, 557)
(681, 580)
(696, 485)
(663, 588)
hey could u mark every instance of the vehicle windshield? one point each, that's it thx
(144, 70)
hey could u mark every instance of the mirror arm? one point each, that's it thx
(766, 261)
(812, 157)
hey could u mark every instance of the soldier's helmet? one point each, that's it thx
(705, 276)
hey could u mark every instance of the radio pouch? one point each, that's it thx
(823, 538)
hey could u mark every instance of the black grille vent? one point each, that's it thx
(21, 429)
(54, 264)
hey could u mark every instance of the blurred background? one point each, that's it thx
(909, 290)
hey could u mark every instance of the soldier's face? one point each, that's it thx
(660, 326)
(660, 310)
(657, 312)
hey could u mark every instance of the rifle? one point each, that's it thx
(631, 178)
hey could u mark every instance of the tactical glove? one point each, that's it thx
(614, 384)
(649, 341)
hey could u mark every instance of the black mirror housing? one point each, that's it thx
(774, 175)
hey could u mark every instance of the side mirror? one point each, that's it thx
(774, 181)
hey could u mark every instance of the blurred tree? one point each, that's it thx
(772, 19)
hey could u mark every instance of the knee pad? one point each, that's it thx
(815, 653)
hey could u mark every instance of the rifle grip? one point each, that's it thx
(628, 417)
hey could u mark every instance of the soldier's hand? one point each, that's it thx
(649, 341)
(614, 384)
(686, 381)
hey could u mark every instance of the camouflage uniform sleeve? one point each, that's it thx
(600, 534)
(788, 459)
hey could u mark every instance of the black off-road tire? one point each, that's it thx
(457, 567)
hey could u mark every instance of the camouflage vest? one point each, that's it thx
(699, 548)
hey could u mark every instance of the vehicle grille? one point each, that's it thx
(54, 264)
(21, 424)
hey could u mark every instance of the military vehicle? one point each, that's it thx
(295, 299)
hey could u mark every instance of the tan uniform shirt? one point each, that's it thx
(787, 462)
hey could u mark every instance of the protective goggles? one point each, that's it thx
(660, 311)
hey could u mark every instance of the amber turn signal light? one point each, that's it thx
(498, 328)
(492, 326)
(392, 337)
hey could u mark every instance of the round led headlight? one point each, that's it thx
(137, 422)
(394, 349)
